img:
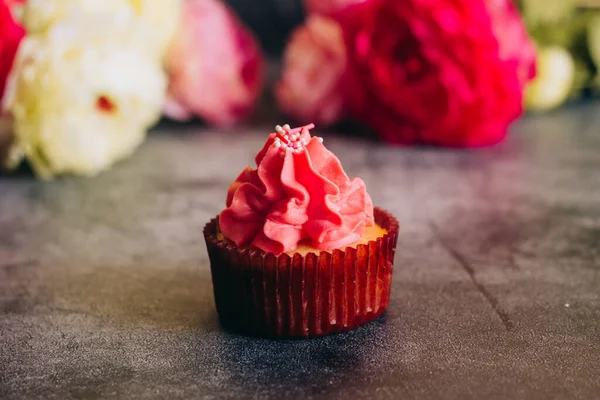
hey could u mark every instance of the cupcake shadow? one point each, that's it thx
(300, 367)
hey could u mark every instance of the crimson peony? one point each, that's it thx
(445, 72)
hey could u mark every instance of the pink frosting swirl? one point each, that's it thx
(299, 191)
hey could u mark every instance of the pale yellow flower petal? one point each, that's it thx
(554, 80)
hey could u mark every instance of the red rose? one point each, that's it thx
(10, 36)
(441, 72)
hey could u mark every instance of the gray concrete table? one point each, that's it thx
(105, 288)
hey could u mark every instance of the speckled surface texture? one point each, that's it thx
(105, 287)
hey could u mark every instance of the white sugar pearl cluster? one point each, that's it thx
(292, 139)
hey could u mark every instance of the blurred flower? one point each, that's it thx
(593, 40)
(582, 78)
(445, 73)
(80, 108)
(555, 22)
(514, 44)
(215, 66)
(148, 25)
(328, 7)
(554, 80)
(11, 34)
(560, 26)
(314, 63)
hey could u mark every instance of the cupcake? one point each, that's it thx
(299, 250)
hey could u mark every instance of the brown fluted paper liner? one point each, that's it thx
(318, 294)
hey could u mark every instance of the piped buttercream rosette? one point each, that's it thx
(298, 192)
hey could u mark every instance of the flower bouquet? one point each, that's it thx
(91, 77)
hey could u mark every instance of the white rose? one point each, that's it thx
(79, 108)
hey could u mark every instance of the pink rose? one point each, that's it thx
(215, 66)
(447, 73)
(328, 7)
(314, 63)
(11, 34)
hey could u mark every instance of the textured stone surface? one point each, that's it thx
(105, 288)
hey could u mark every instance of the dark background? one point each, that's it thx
(271, 20)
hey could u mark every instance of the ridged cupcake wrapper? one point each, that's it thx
(317, 294)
